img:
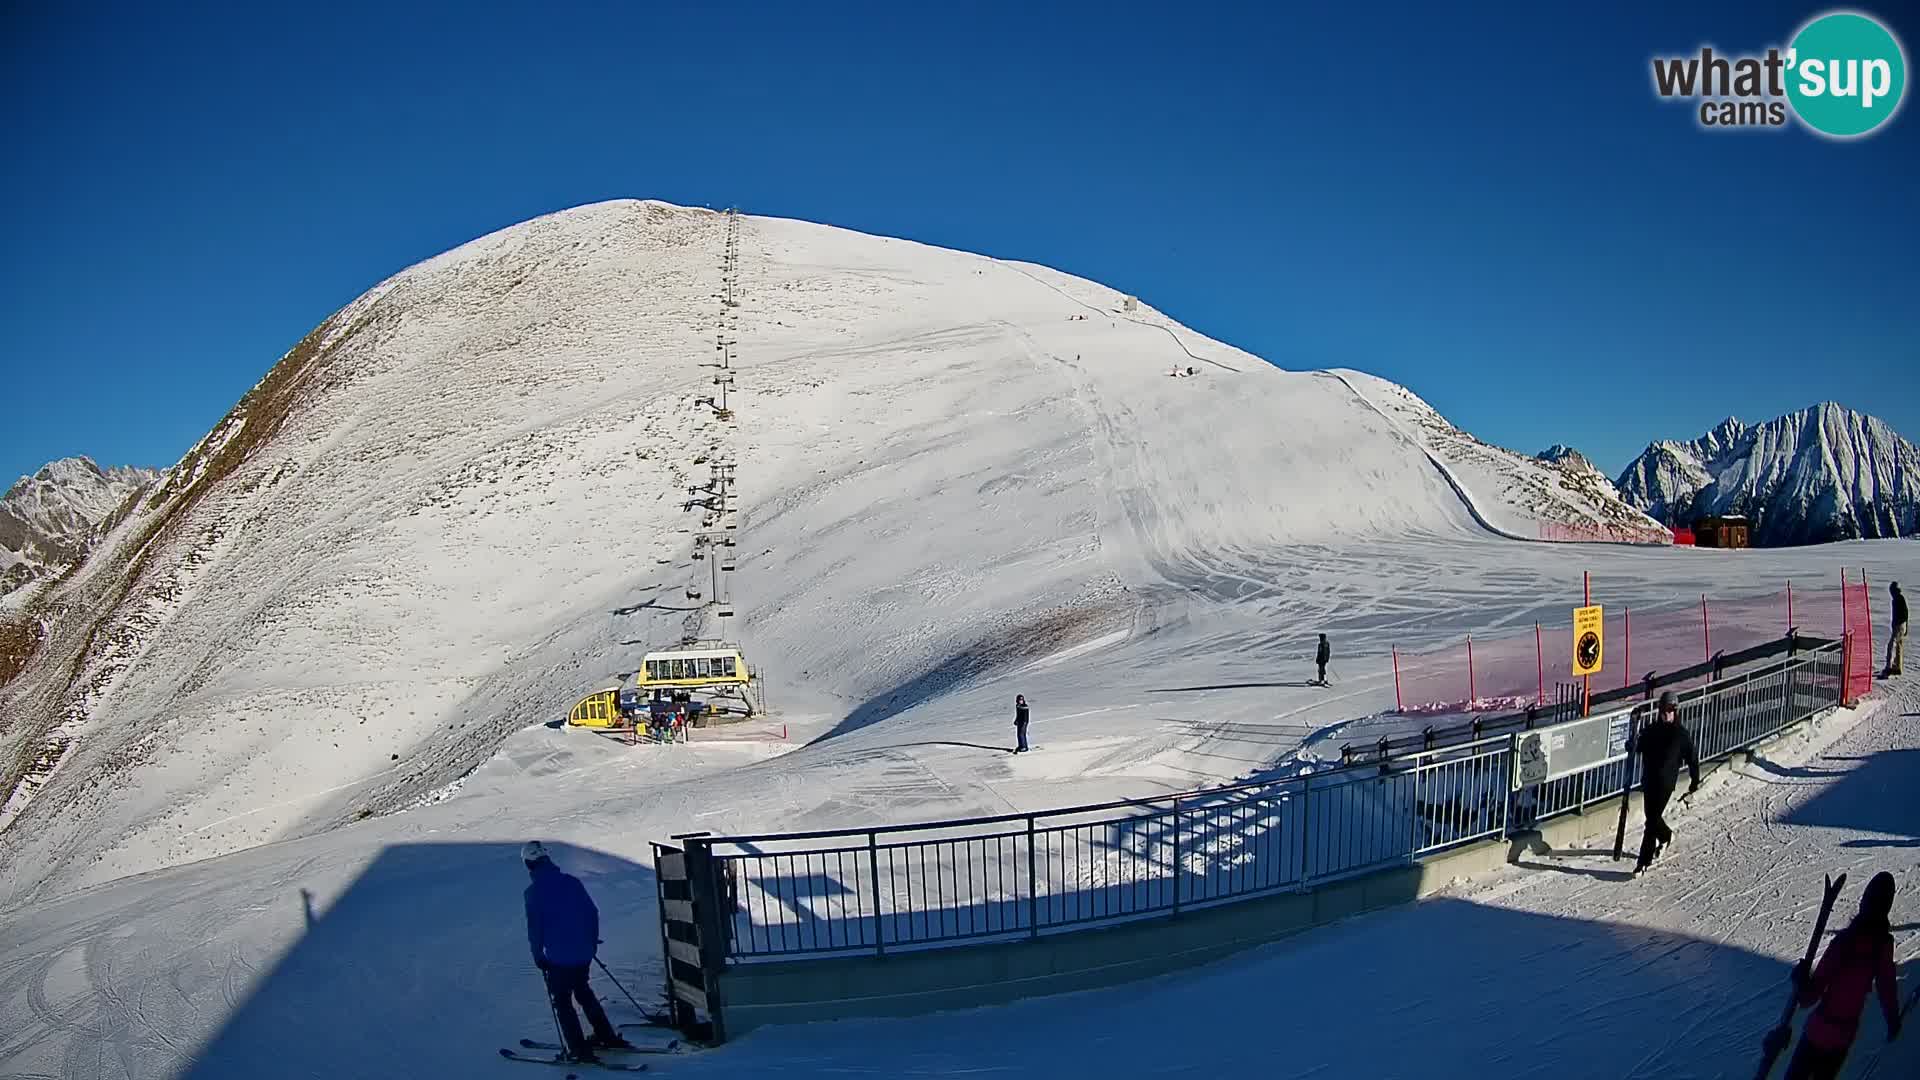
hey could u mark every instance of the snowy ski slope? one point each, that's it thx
(460, 505)
(470, 512)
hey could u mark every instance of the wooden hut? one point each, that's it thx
(1721, 531)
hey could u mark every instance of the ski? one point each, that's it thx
(1626, 792)
(670, 1048)
(1782, 1034)
(616, 1066)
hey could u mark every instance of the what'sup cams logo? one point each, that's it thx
(1843, 76)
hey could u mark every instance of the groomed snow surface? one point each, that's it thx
(394, 949)
(953, 489)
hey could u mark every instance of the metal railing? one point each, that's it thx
(1023, 875)
(1567, 703)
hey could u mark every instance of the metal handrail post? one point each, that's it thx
(873, 864)
(1033, 886)
(1306, 838)
(1176, 856)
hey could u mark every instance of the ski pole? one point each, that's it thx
(553, 1010)
(616, 982)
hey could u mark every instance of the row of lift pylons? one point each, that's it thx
(701, 679)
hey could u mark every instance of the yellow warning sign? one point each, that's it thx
(1589, 640)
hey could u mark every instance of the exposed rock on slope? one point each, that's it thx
(1549, 497)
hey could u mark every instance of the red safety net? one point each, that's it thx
(1857, 604)
(1507, 670)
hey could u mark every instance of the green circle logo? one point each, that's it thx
(1846, 74)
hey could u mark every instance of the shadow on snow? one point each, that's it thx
(422, 961)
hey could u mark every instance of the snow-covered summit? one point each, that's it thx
(1567, 458)
(1821, 474)
(471, 495)
(48, 520)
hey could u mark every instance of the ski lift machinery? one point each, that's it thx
(715, 671)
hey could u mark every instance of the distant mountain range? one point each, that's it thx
(1821, 474)
(48, 520)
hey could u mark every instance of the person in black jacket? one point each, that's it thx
(1896, 641)
(1020, 722)
(1324, 654)
(1662, 746)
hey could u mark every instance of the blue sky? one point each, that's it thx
(1484, 203)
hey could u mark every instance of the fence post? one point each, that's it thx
(1539, 668)
(1506, 788)
(1866, 598)
(1626, 668)
(1033, 886)
(1844, 624)
(1471, 695)
(1306, 798)
(1177, 869)
(1414, 819)
(1398, 705)
(1789, 605)
(704, 888)
(1846, 670)
(873, 865)
(1706, 634)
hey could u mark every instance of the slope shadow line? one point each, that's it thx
(1300, 685)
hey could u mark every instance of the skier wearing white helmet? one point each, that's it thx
(563, 929)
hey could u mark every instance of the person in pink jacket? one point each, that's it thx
(1858, 962)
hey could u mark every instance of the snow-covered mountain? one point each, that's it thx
(472, 495)
(1824, 473)
(48, 520)
(1568, 458)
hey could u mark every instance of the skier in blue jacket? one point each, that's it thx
(563, 929)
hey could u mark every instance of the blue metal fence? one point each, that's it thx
(946, 883)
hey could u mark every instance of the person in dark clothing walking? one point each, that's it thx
(1320, 657)
(563, 929)
(1859, 960)
(1662, 746)
(1896, 641)
(1020, 723)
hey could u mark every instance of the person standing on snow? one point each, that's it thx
(563, 929)
(1859, 960)
(1321, 657)
(1896, 641)
(1662, 746)
(1020, 723)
